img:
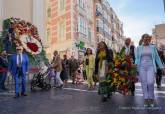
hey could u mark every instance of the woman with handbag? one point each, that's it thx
(89, 63)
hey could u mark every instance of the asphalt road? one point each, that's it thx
(78, 100)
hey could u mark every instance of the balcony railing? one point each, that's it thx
(106, 21)
(82, 35)
(98, 13)
(106, 34)
(99, 29)
(81, 10)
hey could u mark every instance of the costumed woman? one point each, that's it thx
(103, 58)
(89, 64)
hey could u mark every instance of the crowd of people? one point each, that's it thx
(94, 67)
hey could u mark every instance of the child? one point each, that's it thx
(79, 75)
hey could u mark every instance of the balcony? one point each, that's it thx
(90, 19)
(99, 29)
(98, 13)
(82, 35)
(107, 35)
(106, 21)
(81, 10)
(114, 40)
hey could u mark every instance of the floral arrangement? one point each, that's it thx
(21, 27)
(25, 33)
(122, 72)
(19, 32)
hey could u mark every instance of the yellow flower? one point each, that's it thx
(101, 56)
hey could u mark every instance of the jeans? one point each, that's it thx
(20, 75)
(57, 79)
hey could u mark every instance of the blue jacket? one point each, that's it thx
(3, 62)
(13, 64)
(155, 57)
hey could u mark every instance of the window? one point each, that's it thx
(48, 34)
(82, 4)
(106, 29)
(105, 14)
(99, 38)
(49, 12)
(62, 30)
(61, 5)
(89, 34)
(82, 25)
(99, 23)
(109, 18)
(114, 26)
(99, 8)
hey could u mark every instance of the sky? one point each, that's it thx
(138, 16)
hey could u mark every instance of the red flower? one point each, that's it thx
(32, 46)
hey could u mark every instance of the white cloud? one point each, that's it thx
(135, 27)
(135, 23)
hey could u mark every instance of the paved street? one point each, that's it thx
(78, 100)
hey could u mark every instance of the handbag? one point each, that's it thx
(87, 61)
(95, 77)
(84, 75)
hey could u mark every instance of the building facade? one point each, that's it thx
(72, 27)
(108, 26)
(69, 26)
(159, 35)
(37, 12)
(78, 24)
(33, 11)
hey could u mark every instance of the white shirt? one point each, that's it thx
(127, 50)
(18, 59)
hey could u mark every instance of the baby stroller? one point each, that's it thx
(41, 80)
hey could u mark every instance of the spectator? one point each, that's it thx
(57, 65)
(18, 67)
(73, 66)
(130, 51)
(3, 69)
(65, 69)
(89, 63)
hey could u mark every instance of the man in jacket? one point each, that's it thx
(3, 69)
(18, 67)
(159, 71)
(130, 51)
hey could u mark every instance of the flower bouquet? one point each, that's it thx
(122, 72)
(19, 32)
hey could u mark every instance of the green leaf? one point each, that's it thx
(81, 45)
